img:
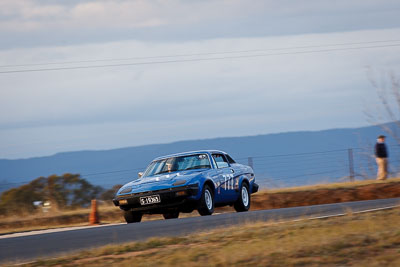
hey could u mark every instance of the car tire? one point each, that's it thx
(206, 205)
(132, 217)
(171, 215)
(243, 202)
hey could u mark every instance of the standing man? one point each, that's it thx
(381, 155)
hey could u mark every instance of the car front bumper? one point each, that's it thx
(169, 198)
(255, 188)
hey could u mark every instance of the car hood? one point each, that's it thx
(158, 182)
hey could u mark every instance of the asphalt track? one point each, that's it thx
(26, 247)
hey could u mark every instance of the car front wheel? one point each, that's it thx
(243, 202)
(132, 217)
(206, 206)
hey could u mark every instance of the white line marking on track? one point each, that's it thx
(46, 231)
(344, 214)
(384, 208)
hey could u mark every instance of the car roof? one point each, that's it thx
(190, 153)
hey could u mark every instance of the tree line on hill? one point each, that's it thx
(67, 191)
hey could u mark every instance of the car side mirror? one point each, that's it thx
(140, 174)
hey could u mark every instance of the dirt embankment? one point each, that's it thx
(314, 196)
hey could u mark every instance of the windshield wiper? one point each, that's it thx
(198, 167)
(164, 172)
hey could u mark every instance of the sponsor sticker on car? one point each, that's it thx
(150, 200)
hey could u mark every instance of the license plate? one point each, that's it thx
(150, 200)
(123, 202)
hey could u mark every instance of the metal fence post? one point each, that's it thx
(250, 162)
(351, 164)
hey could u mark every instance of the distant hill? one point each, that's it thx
(273, 159)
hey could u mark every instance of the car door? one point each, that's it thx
(226, 183)
(237, 171)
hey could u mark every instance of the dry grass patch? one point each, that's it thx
(56, 219)
(342, 185)
(371, 239)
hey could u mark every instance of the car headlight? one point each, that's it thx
(126, 190)
(180, 182)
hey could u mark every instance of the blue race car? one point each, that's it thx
(187, 181)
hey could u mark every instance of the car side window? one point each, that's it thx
(230, 160)
(220, 160)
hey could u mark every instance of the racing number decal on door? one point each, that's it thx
(228, 178)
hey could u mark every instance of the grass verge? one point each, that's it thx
(370, 239)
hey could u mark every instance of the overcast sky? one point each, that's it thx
(185, 69)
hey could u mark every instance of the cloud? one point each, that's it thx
(26, 16)
(38, 22)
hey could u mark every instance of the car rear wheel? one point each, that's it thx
(243, 202)
(171, 215)
(132, 217)
(206, 206)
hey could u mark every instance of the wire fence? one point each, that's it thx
(319, 167)
(281, 170)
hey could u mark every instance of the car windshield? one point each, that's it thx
(174, 164)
